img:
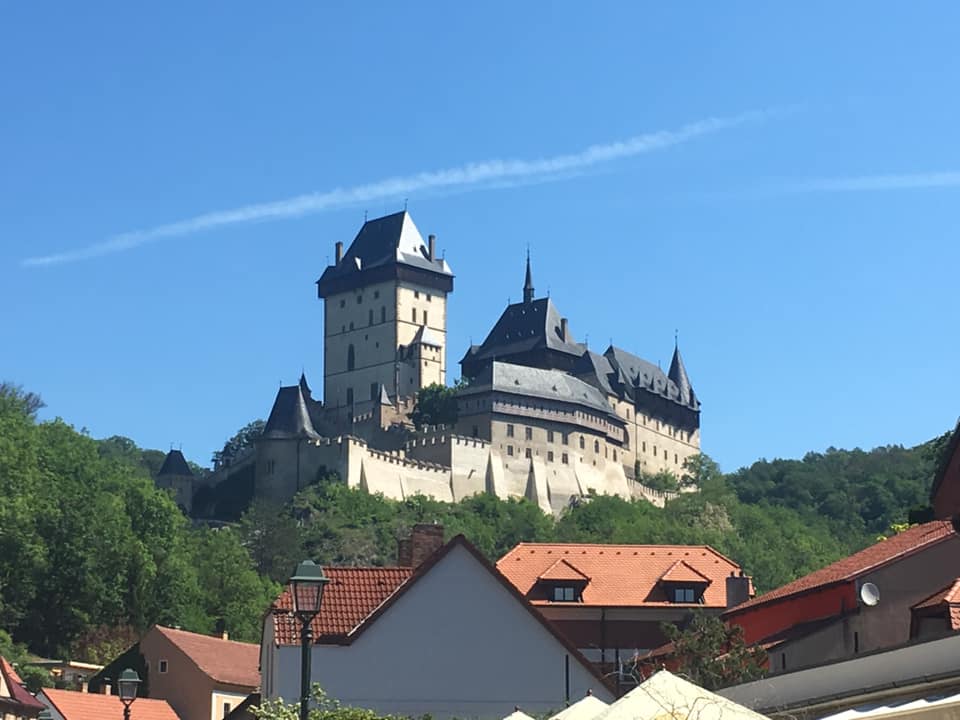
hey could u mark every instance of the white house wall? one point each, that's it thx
(457, 643)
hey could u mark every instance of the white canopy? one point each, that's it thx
(586, 709)
(668, 697)
(518, 715)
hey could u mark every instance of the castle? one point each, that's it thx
(540, 416)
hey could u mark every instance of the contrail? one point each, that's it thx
(864, 183)
(462, 179)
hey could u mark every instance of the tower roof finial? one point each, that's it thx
(528, 281)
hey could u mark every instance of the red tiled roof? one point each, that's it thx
(224, 661)
(350, 596)
(18, 692)
(849, 568)
(92, 706)
(948, 595)
(562, 570)
(680, 571)
(620, 575)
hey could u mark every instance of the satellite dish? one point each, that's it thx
(869, 594)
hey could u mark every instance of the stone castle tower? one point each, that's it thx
(385, 314)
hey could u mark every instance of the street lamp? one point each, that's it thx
(127, 686)
(306, 590)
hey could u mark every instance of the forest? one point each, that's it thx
(92, 554)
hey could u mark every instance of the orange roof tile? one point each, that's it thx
(562, 570)
(947, 596)
(18, 693)
(681, 572)
(849, 568)
(620, 575)
(224, 661)
(74, 705)
(350, 596)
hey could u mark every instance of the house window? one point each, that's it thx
(564, 459)
(549, 435)
(162, 667)
(509, 430)
(549, 455)
(527, 453)
(510, 450)
(564, 594)
(683, 595)
(351, 357)
(528, 433)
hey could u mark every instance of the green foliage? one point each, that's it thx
(272, 538)
(712, 655)
(663, 480)
(234, 447)
(322, 708)
(436, 405)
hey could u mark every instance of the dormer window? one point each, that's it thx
(561, 582)
(684, 584)
(565, 593)
(686, 595)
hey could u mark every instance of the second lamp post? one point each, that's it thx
(306, 591)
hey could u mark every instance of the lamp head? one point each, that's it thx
(306, 589)
(127, 685)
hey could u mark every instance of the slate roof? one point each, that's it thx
(596, 370)
(18, 693)
(351, 595)
(428, 336)
(620, 575)
(678, 376)
(388, 240)
(225, 661)
(74, 705)
(527, 326)
(634, 372)
(536, 382)
(849, 568)
(290, 415)
(175, 464)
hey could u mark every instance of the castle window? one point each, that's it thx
(424, 317)
(416, 294)
(654, 450)
(566, 438)
(549, 455)
(564, 459)
(644, 446)
(383, 314)
(351, 325)
(476, 431)
(359, 299)
(509, 430)
(376, 294)
(527, 453)
(614, 455)
(583, 443)
(370, 317)
(414, 314)
(351, 357)
(373, 390)
(428, 297)
(528, 433)
(628, 413)
(596, 447)
(676, 460)
(510, 450)
(349, 396)
(549, 435)
(343, 303)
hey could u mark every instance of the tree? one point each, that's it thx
(713, 655)
(436, 405)
(16, 397)
(242, 439)
(272, 538)
(323, 708)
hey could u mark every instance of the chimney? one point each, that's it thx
(338, 253)
(224, 635)
(431, 246)
(738, 589)
(424, 540)
(563, 329)
(84, 686)
(105, 687)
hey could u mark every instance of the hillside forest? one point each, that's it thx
(92, 554)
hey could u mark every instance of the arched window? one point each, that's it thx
(596, 446)
(351, 357)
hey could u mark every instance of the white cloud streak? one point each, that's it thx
(472, 176)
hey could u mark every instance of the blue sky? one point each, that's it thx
(784, 193)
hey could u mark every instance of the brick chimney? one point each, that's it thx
(424, 540)
(738, 589)
(338, 253)
(431, 246)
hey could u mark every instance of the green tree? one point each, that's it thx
(436, 405)
(272, 538)
(713, 655)
(322, 708)
(241, 440)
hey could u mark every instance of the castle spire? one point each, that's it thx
(528, 282)
(678, 374)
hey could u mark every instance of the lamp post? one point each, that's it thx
(127, 686)
(306, 590)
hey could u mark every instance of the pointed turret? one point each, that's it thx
(304, 388)
(678, 374)
(528, 283)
